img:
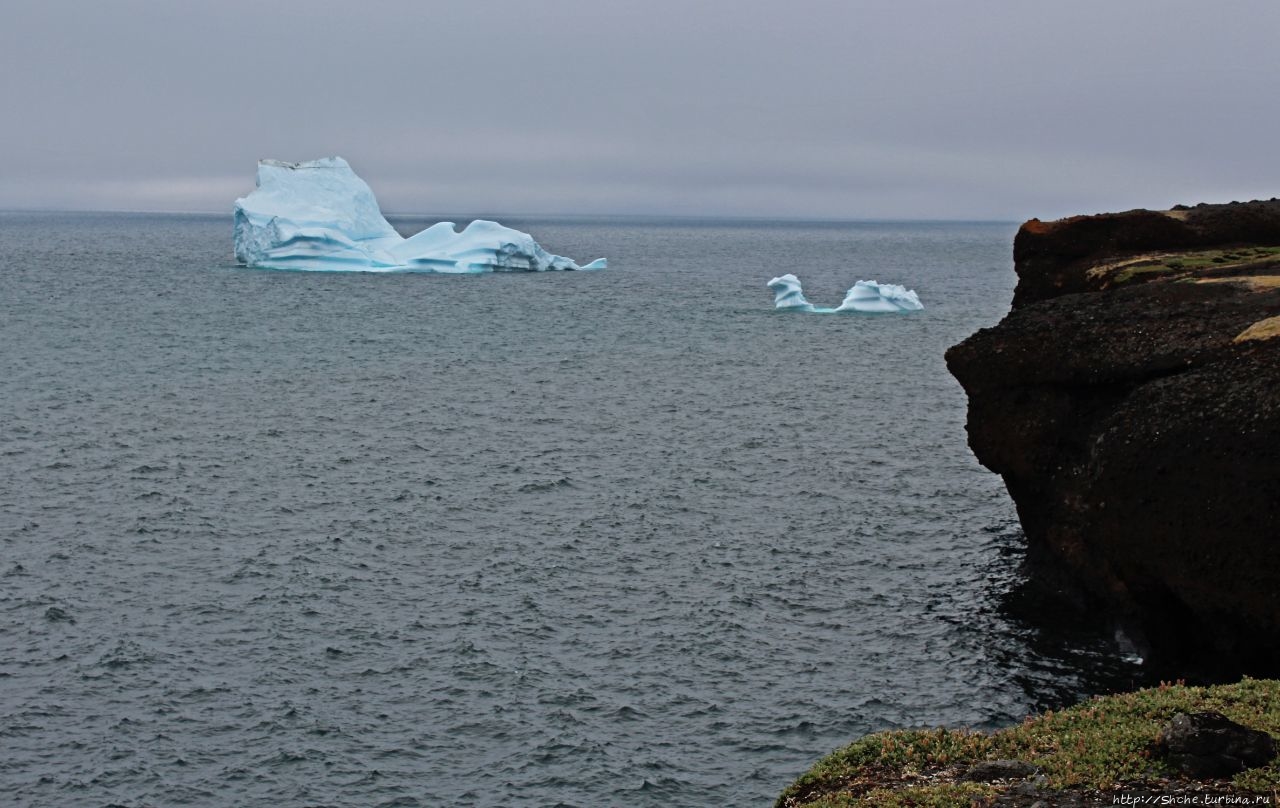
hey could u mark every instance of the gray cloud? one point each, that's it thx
(834, 109)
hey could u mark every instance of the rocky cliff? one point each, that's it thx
(1131, 402)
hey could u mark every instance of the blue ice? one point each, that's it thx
(863, 296)
(318, 215)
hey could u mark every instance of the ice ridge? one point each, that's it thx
(318, 215)
(863, 296)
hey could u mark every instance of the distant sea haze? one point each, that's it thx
(628, 537)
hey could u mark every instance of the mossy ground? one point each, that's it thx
(1103, 745)
(1181, 264)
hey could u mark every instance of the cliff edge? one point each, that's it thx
(1131, 402)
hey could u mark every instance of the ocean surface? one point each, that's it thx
(621, 538)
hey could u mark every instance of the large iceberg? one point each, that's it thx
(318, 215)
(863, 296)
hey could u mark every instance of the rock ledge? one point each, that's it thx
(1131, 402)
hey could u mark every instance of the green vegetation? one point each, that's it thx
(1137, 270)
(1106, 743)
(1234, 259)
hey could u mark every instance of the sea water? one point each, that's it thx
(628, 537)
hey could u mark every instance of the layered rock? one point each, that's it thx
(1131, 402)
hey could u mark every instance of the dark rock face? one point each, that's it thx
(1131, 401)
(1211, 745)
(1051, 256)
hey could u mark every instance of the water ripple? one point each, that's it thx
(518, 540)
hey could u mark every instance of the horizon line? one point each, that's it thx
(528, 215)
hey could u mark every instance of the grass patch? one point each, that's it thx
(1144, 268)
(945, 795)
(1103, 744)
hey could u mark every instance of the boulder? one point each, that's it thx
(1204, 745)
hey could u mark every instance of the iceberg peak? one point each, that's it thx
(863, 296)
(787, 293)
(319, 215)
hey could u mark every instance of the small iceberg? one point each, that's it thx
(863, 296)
(318, 215)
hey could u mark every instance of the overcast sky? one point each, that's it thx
(840, 109)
